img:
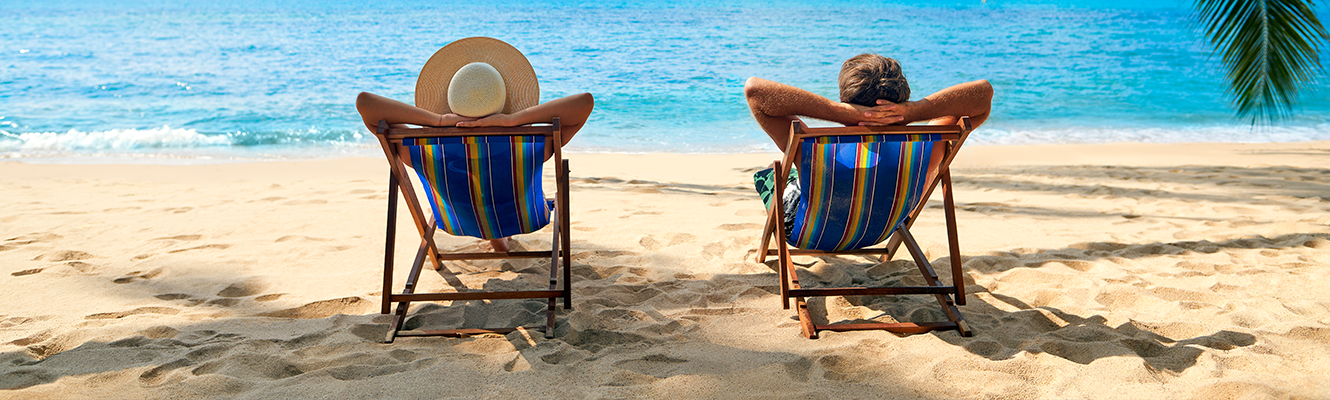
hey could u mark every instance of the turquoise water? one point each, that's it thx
(259, 79)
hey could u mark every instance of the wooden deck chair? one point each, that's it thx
(481, 182)
(860, 186)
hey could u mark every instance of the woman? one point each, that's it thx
(478, 82)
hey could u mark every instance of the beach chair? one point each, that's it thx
(859, 187)
(481, 182)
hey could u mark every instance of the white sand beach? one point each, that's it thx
(1115, 271)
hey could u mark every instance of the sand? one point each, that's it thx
(1093, 271)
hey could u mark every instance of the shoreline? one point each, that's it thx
(975, 155)
(1161, 270)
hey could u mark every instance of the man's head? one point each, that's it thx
(865, 78)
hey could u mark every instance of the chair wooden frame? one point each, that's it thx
(399, 179)
(948, 297)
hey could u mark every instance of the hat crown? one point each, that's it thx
(476, 90)
(519, 80)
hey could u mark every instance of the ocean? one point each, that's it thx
(202, 81)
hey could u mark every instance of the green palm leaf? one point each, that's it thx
(1270, 49)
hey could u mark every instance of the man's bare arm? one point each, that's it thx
(972, 99)
(775, 105)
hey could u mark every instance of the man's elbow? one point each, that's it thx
(986, 89)
(754, 87)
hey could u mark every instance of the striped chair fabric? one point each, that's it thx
(483, 186)
(857, 189)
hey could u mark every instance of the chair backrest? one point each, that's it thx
(859, 184)
(482, 186)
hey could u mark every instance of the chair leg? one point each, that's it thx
(766, 237)
(800, 304)
(566, 251)
(806, 319)
(389, 244)
(930, 277)
(399, 317)
(555, 245)
(954, 247)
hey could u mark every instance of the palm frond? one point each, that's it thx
(1270, 48)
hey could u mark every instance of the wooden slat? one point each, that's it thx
(467, 331)
(870, 291)
(478, 295)
(802, 252)
(492, 255)
(901, 327)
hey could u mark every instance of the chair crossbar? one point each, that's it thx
(871, 291)
(492, 256)
(478, 295)
(461, 333)
(900, 327)
(803, 252)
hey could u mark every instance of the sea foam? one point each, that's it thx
(115, 139)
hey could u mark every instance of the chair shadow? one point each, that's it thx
(1005, 326)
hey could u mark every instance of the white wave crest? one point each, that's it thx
(115, 139)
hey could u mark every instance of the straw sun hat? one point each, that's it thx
(477, 91)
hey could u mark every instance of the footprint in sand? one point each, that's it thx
(245, 288)
(750, 212)
(62, 256)
(14, 321)
(713, 251)
(325, 308)
(203, 247)
(583, 256)
(305, 202)
(224, 302)
(740, 227)
(269, 297)
(136, 311)
(657, 365)
(638, 213)
(28, 272)
(81, 267)
(647, 242)
(300, 238)
(15, 242)
(181, 237)
(34, 339)
(137, 275)
(681, 238)
(839, 368)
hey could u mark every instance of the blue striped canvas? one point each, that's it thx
(483, 186)
(857, 189)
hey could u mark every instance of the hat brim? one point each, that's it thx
(519, 79)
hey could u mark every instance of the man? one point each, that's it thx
(873, 91)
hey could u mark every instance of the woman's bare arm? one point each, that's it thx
(572, 111)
